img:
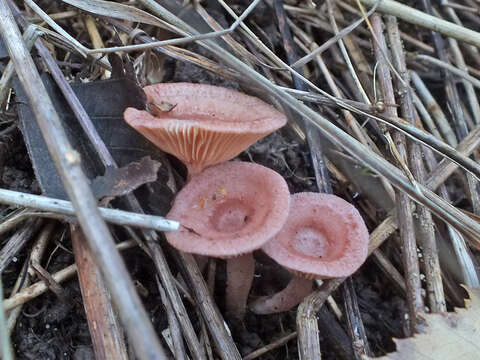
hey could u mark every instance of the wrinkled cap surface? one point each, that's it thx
(324, 237)
(203, 125)
(229, 209)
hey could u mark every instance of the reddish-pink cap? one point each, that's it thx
(324, 237)
(203, 125)
(229, 209)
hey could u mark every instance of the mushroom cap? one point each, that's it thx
(207, 124)
(323, 237)
(228, 210)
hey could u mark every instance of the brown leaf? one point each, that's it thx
(447, 336)
(119, 182)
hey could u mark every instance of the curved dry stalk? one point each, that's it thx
(105, 331)
(411, 265)
(115, 216)
(6, 346)
(426, 226)
(417, 17)
(30, 35)
(40, 287)
(462, 73)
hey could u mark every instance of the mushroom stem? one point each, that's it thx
(193, 169)
(240, 271)
(297, 289)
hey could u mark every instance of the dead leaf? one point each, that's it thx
(121, 181)
(160, 107)
(447, 336)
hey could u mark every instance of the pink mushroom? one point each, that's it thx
(228, 211)
(324, 237)
(203, 125)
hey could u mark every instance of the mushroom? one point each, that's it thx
(228, 211)
(323, 237)
(203, 125)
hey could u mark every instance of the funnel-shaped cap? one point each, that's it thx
(229, 209)
(324, 237)
(203, 125)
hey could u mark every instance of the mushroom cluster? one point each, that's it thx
(228, 209)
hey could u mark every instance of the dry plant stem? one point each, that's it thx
(114, 216)
(417, 17)
(22, 282)
(425, 115)
(234, 45)
(404, 207)
(438, 174)
(55, 16)
(352, 122)
(468, 269)
(167, 280)
(474, 105)
(27, 272)
(40, 287)
(469, 89)
(17, 241)
(450, 87)
(240, 272)
(355, 325)
(472, 50)
(453, 99)
(105, 331)
(173, 325)
(444, 169)
(6, 346)
(30, 36)
(225, 346)
(388, 268)
(272, 346)
(460, 72)
(346, 57)
(426, 234)
(178, 53)
(307, 322)
(318, 50)
(95, 38)
(434, 109)
(312, 134)
(176, 41)
(67, 161)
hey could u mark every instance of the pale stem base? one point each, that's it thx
(297, 289)
(240, 271)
